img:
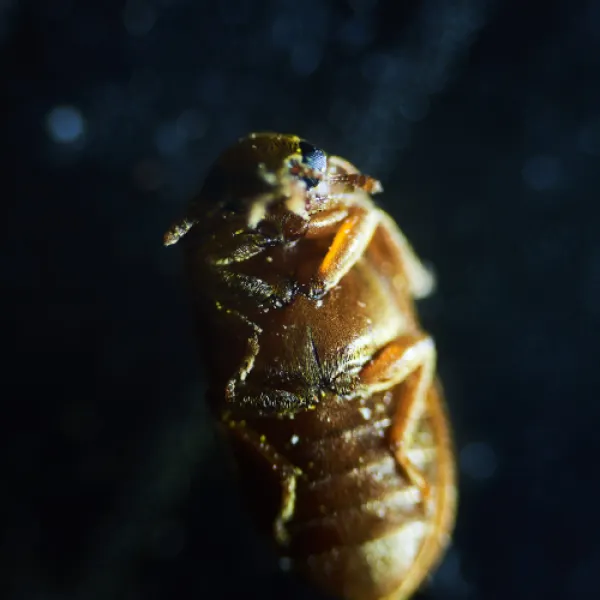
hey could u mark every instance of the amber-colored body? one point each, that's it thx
(318, 370)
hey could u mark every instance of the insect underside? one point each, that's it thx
(324, 384)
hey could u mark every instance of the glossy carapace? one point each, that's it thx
(319, 373)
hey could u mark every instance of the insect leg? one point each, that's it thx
(251, 353)
(326, 222)
(254, 448)
(349, 244)
(398, 250)
(261, 292)
(409, 360)
(243, 248)
(343, 172)
(177, 231)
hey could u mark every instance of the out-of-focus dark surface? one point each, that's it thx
(482, 119)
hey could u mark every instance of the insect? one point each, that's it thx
(319, 373)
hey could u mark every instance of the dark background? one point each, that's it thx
(482, 118)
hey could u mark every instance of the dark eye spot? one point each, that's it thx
(310, 182)
(315, 159)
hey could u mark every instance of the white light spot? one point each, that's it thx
(478, 460)
(294, 440)
(542, 172)
(365, 412)
(65, 124)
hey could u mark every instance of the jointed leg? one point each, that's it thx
(241, 247)
(177, 231)
(357, 180)
(325, 223)
(344, 173)
(353, 234)
(397, 250)
(349, 244)
(409, 360)
(275, 469)
(245, 394)
(258, 290)
(250, 356)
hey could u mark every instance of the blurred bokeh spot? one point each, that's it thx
(65, 124)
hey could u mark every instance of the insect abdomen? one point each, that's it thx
(357, 524)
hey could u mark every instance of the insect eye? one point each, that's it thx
(315, 159)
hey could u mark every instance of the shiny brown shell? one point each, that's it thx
(319, 373)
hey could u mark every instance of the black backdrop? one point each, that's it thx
(482, 118)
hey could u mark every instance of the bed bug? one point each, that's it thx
(319, 373)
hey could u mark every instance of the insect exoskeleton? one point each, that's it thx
(319, 372)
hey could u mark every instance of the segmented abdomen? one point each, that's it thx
(357, 524)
